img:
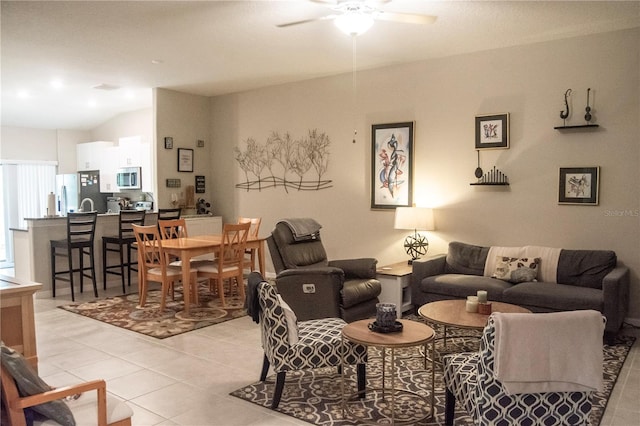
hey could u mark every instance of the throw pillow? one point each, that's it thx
(516, 270)
(29, 383)
(292, 321)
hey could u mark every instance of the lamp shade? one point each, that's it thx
(417, 218)
(353, 23)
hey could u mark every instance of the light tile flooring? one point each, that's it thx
(186, 379)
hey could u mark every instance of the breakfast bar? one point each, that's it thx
(31, 245)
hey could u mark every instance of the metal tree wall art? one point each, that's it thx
(283, 161)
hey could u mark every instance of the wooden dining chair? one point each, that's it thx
(177, 228)
(154, 266)
(253, 233)
(172, 228)
(229, 261)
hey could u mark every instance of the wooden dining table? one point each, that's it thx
(188, 247)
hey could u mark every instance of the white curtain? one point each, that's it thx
(33, 183)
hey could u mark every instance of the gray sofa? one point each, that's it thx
(584, 279)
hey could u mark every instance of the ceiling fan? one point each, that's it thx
(354, 17)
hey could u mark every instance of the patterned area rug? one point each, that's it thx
(123, 311)
(315, 396)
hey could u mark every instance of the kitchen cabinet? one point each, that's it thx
(90, 155)
(130, 152)
(108, 169)
(136, 153)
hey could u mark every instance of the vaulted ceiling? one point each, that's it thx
(75, 64)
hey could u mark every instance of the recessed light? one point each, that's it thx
(23, 94)
(157, 61)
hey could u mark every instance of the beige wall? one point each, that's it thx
(19, 143)
(442, 97)
(134, 123)
(185, 118)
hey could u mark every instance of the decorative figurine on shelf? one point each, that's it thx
(588, 116)
(478, 171)
(565, 114)
(202, 206)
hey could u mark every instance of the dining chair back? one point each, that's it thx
(81, 230)
(229, 260)
(121, 244)
(254, 231)
(154, 265)
(166, 214)
(172, 228)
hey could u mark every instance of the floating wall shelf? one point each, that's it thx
(490, 183)
(582, 126)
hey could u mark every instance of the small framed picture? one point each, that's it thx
(200, 143)
(492, 131)
(579, 185)
(185, 160)
(168, 142)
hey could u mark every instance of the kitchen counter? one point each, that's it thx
(32, 247)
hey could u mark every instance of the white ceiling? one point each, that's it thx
(217, 47)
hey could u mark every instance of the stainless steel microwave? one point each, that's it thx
(128, 178)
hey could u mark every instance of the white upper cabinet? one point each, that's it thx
(134, 152)
(90, 155)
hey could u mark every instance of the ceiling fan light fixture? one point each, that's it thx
(353, 23)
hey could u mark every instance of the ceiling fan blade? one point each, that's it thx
(337, 2)
(407, 18)
(304, 21)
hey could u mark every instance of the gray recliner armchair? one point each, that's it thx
(312, 285)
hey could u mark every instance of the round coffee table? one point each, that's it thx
(452, 313)
(413, 334)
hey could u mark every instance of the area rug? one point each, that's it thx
(123, 311)
(315, 396)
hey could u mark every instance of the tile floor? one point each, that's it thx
(186, 379)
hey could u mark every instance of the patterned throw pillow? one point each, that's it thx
(292, 321)
(29, 383)
(516, 270)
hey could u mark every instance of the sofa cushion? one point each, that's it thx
(465, 259)
(585, 268)
(461, 285)
(552, 296)
(516, 270)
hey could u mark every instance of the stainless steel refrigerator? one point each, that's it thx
(72, 189)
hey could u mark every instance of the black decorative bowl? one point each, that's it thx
(392, 329)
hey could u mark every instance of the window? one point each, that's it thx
(25, 186)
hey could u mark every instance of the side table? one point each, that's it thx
(413, 334)
(396, 285)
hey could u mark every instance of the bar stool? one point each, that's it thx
(81, 229)
(168, 214)
(118, 243)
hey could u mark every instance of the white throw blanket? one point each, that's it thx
(552, 352)
(548, 269)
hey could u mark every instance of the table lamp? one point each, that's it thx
(416, 218)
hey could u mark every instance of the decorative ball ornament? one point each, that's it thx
(416, 245)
